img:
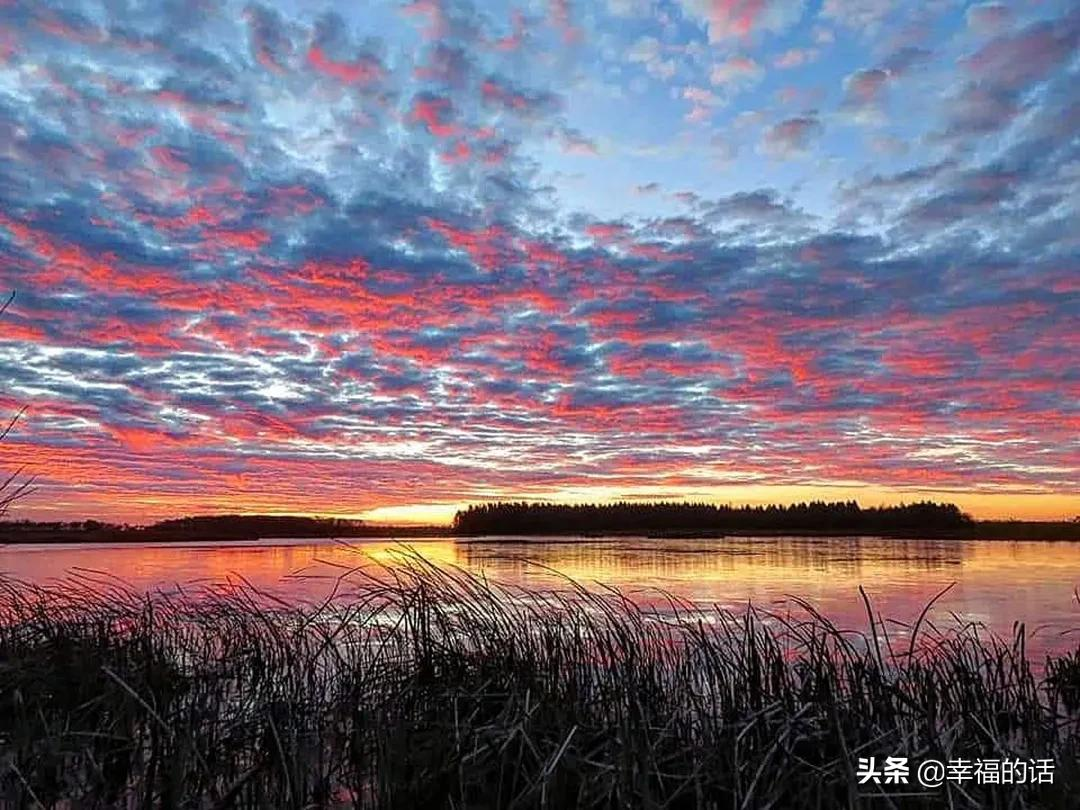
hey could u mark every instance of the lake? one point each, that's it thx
(997, 582)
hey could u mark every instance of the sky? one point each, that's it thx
(382, 259)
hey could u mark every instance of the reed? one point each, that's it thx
(413, 686)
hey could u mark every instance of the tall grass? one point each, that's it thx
(421, 687)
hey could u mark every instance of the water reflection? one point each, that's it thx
(692, 559)
(997, 582)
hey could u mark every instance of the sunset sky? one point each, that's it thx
(375, 259)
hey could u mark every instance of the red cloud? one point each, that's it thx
(433, 112)
(364, 69)
(250, 239)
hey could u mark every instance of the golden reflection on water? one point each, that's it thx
(997, 582)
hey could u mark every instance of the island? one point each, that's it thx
(670, 519)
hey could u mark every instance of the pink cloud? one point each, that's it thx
(742, 19)
(791, 137)
(433, 112)
(363, 70)
(736, 71)
(795, 57)
(1014, 62)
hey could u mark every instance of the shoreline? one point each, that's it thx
(989, 531)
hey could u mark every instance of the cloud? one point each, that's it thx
(988, 18)
(791, 137)
(574, 143)
(269, 38)
(526, 103)
(1014, 62)
(329, 54)
(860, 15)
(796, 57)
(736, 72)
(864, 93)
(889, 145)
(447, 65)
(629, 8)
(866, 86)
(1004, 69)
(743, 19)
(723, 150)
(649, 52)
(435, 114)
(981, 108)
(703, 101)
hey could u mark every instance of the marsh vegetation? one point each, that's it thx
(419, 686)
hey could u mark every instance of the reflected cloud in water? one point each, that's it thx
(997, 582)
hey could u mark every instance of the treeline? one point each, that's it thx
(208, 527)
(233, 527)
(816, 516)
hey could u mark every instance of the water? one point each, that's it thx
(997, 582)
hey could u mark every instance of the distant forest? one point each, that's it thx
(817, 516)
(208, 527)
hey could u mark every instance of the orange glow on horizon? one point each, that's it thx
(981, 506)
(131, 507)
